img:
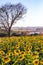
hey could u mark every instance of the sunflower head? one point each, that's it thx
(41, 61)
(36, 62)
(6, 59)
(21, 57)
(35, 55)
(17, 52)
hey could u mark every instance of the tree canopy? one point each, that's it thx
(9, 14)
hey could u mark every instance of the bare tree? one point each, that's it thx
(9, 14)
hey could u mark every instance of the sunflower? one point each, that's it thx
(30, 47)
(21, 57)
(23, 53)
(35, 55)
(16, 52)
(17, 46)
(36, 47)
(2, 52)
(13, 54)
(41, 42)
(6, 59)
(8, 53)
(28, 50)
(41, 61)
(36, 62)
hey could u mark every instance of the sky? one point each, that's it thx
(34, 15)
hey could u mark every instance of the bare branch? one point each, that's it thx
(9, 14)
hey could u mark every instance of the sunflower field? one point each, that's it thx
(21, 50)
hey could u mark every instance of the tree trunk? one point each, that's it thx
(9, 32)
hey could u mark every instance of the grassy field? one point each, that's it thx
(21, 50)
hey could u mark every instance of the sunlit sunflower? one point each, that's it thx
(35, 55)
(36, 47)
(6, 59)
(30, 47)
(41, 42)
(2, 52)
(41, 61)
(8, 53)
(28, 50)
(17, 46)
(21, 58)
(23, 53)
(36, 62)
(13, 54)
(17, 52)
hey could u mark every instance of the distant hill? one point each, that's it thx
(26, 30)
(36, 29)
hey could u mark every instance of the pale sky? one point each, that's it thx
(34, 15)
